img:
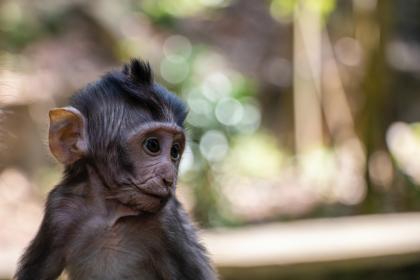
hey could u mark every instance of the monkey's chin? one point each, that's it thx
(148, 203)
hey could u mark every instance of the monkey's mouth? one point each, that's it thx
(146, 196)
(155, 190)
(149, 199)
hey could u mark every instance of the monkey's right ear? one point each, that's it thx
(67, 135)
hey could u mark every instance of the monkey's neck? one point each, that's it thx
(99, 195)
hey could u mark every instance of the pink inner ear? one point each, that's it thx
(66, 133)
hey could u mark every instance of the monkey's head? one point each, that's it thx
(129, 130)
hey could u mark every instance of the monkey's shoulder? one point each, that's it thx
(61, 201)
(70, 212)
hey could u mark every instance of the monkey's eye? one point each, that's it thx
(175, 152)
(151, 145)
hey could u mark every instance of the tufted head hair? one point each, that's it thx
(130, 88)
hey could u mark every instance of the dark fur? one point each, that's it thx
(160, 245)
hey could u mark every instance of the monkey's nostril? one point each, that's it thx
(167, 182)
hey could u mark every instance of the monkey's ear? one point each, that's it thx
(67, 135)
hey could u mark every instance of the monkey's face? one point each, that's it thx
(138, 164)
(153, 152)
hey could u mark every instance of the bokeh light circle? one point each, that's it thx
(214, 145)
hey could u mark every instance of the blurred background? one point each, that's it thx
(304, 125)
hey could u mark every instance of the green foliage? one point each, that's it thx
(267, 158)
(165, 11)
(283, 10)
(17, 27)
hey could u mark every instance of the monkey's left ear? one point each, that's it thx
(67, 135)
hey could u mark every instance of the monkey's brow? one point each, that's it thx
(150, 126)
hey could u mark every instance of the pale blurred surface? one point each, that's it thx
(323, 241)
(300, 110)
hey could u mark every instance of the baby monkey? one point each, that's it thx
(114, 215)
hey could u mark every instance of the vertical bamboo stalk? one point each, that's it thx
(307, 78)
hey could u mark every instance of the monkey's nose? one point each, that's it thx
(167, 181)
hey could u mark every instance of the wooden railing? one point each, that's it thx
(353, 243)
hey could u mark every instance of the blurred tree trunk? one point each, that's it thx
(378, 110)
